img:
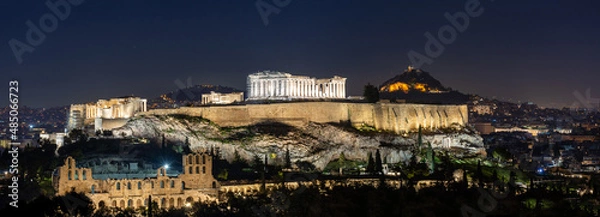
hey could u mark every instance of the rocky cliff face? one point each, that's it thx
(316, 143)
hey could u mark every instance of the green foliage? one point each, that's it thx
(501, 154)
(378, 163)
(371, 93)
(370, 164)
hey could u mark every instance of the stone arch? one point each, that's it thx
(179, 202)
(203, 159)
(138, 203)
(101, 204)
(189, 159)
(197, 159)
(214, 184)
(114, 203)
(162, 184)
(197, 170)
(182, 185)
(203, 170)
(189, 200)
(118, 186)
(172, 185)
(128, 185)
(190, 170)
(122, 204)
(84, 175)
(163, 202)
(70, 175)
(139, 184)
(171, 202)
(129, 203)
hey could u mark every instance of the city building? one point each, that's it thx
(271, 85)
(222, 98)
(195, 184)
(105, 114)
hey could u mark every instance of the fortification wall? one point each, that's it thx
(384, 116)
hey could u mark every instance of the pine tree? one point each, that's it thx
(479, 173)
(288, 160)
(371, 93)
(370, 164)
(236, 157)
(465, 179)
(378, 165)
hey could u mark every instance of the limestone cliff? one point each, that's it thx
(318, 143)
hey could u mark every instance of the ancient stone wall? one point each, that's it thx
(383, 116)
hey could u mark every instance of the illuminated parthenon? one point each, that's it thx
(285, 86)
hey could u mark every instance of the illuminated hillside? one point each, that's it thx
(417, 86)
(413, 80)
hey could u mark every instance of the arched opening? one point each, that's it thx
(118, 186)
(179, 202)
(93, 189)
(139, 185)
(163, 203)
(182, 185)
(162, 184)
(69, 175)
(84, 175)
(214, 184)
(189, 200)
(129, 203)
(152, 184)
(101, 204)
(128, 185)
(197, 159)
(76, 175)
(203, 159)
(190, 170)
(203, 170)
(138, 203)
(172, 184)
(122, 205)
(197, 170)
(189, 159)
(171, 202)
(114, 203)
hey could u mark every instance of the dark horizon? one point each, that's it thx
(538, 52)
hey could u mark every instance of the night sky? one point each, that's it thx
(539, 51)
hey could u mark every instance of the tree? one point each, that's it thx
(288, 160)
(370, 164)
(378, 165)
(479, 173)
(371, 93)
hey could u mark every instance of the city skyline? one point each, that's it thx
(543, 53)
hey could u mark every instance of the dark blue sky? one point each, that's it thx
(540, 51)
